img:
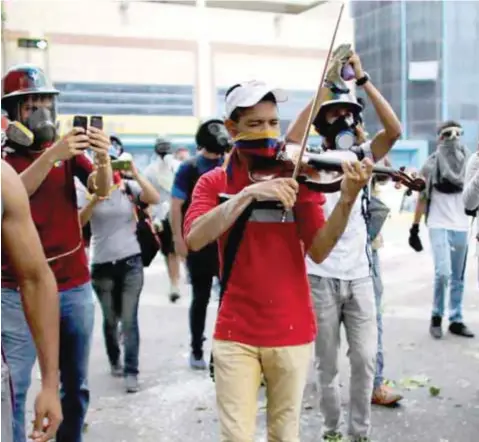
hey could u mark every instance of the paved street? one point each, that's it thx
(176, 404)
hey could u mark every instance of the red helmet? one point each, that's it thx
(26, 79)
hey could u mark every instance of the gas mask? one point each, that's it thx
(221, 143)
(340, 132)
(213, 136)
(44, 129)
(15, 132)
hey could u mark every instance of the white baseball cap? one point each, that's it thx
(250, 93)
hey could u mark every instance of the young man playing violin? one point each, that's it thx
(265, 323)
(341, 284)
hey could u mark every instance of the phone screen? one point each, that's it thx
(96, 121)
(80, 121)
(120, 165)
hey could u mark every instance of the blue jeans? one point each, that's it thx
(378, 295)
(118, 286)
(449, 248)
(77, 312)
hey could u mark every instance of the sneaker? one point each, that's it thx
(384, 395)
(116, 370)
(332, 436)
(460, 329)
(436, 327)
(174, 296)
(197, 362)
(131, 383)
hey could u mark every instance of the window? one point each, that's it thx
(125, 99)
(469, 112)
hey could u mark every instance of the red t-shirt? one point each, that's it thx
(55, 214)
(267, 302)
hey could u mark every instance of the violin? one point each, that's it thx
(311, 166)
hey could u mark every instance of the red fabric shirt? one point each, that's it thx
(267, 302)
(55, 214)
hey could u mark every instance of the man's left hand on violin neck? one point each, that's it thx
(357, 174)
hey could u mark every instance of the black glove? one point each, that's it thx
(414, 240)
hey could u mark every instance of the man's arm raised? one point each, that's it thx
(65, 148)
(21, 243)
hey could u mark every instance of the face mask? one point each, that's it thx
(451, 133)
(16, 132)
(340, 133)
(41, 123)
(216, 139)
(261, 144)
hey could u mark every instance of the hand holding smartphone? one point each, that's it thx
(121, 165)
(82, 121)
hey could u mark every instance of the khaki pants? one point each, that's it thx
(238, 369)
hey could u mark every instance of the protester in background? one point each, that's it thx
(116, 145)
(213, 141)
(21, 243)
(181, 154)
(161, 173)
(116, 265)
(341, 285)
(382, 393)
(443, 207)
(471, 193)
(47, 168)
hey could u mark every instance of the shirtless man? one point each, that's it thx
(38, 288)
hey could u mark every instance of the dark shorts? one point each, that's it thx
(166, 238)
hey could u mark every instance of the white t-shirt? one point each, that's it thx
(446, 211)
(161, 173)
(349, 259)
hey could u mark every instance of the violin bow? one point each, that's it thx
(314, 105)
(314, 111)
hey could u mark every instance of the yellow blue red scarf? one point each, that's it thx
(263, 143)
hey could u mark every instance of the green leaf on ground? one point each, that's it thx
(390, 383)
(414, 382)
(434, 391)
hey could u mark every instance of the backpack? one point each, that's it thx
(204, 261)
(145, 231)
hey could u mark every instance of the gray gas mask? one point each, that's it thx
(43, 127)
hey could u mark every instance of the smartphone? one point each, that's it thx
(80, 121)
(121, 165)
(96, 121)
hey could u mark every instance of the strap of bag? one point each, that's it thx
(231, 249)
(232, 246)
(130, 196)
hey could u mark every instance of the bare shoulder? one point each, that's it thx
(10, 180)
(14, 195)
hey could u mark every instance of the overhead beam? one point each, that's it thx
(278, 7)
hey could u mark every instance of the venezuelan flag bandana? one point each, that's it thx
(263, 144)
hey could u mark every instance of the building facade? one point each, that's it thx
(153, 67)
(423, 57)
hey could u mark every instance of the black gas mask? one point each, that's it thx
(213, 136)
(43, 127)
(340, 132)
